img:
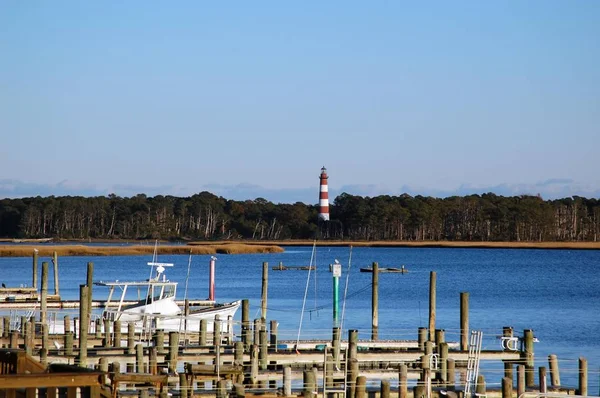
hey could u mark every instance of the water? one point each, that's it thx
(554, 292)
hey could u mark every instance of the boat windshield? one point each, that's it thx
(161, 292)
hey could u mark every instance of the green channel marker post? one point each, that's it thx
(337, 272)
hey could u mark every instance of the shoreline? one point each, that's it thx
(258, 247)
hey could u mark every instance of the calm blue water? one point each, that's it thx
(554, 292)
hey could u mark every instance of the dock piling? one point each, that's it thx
(403, 381)
(34, 282)
(507, 387)
(265, 284)
(528, 356)
(84, 314)
(203, 331)
(464, 321)
(422, 338)
(55, 264)
(273, 335)
(432, 304)
(543, 380)
(554, 371)
(130, 338)
(583, 377)
(384, 389)
(116, 340)
(520, 380)
(90, 283)
(44, 293)
(246, 323)
(375, 302)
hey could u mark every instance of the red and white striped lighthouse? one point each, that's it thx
(323, 196)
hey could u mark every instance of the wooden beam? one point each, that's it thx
(50, 380)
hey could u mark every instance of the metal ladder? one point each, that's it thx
(473, 362)
(340, 368)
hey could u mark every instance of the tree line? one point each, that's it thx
(205, 216)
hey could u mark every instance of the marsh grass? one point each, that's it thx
(455, 244)
(81, 250)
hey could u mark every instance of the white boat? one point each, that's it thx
(156, 307)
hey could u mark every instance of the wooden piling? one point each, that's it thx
(464, 321)
(428, 347)
(139, 358)
(403, 381)
(173, 351)
(55, 264)
(287, 381)
(443, 353)
(106, 340)
(238, 353)
(14, 339)
(328, 365)
(432, 300)
(130, 338)
(265, 285)
(520, 380)
(45, 347)
(183, 388)
(34, 282)
(480, 386)
(68, 343)
(44, 293)
(159, 340)
(273, 335)
(361, 387)
(583, 377)
(310, 383)
(375, 302)
(254, 364)
(239, 390)
(543, 380)
(90, 283)
(257, 326)
(422, 338)
(103, 367)
(264, 347)
(217, 333)
(528, 356)
(98, 328)
(116, 340)
(451, 375)
(67, 323)
(507, 333)
(335, 344)
(222, 389)
(440, 337)
(384, 389)
(554, 371)
(6, 330)
(27, 330)
(84, 316)
(507, 387)
(153, 361)
(203, 331)
(246, 323)
(508, 369)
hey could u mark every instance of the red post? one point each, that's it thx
(211, 279)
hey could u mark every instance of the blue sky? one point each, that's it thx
(250, 99)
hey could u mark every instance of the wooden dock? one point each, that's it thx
(282, 267)
(97, 358)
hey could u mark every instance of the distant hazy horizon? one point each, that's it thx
(251, 99)
(552, 189)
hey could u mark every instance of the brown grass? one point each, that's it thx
(455, 244)
(81, 250)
